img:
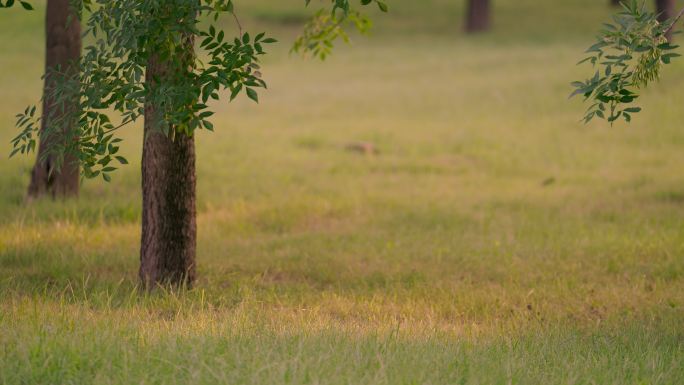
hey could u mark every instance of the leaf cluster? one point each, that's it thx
(327, 26)
(9, 3)
(108, 88)
(628, 55)
(88, 101)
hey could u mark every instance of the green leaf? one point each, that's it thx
(383, 7)
(667, 46)
(252, 94)
(666, 58)
(235, 91)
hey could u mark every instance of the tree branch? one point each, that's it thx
(674, 22)
(105, 132)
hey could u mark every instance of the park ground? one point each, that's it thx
(494, 239)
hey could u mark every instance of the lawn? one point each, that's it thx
(494, 238)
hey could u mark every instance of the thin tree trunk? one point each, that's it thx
(477, 16)
(62, 52)
(666, 11)
(168, 244)
(615, 3)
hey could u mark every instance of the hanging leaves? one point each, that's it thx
(9, 3)
(628, 54)
(112, 89)
(326, 27)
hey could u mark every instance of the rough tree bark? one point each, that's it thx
(666, 10)
(169, 227)
(62, 51)
(477, 15)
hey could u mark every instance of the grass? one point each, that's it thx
(493, 240)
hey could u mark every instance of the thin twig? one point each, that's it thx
(105, 132)
(237, 21)
(679, 16)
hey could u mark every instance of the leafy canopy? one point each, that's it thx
(628, 54)
(127, 37)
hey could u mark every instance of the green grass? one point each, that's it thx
(494, 239)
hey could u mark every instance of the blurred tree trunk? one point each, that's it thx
(477, 15)
(615, 3)
(666, 11)
(168, 244)
(62, 52)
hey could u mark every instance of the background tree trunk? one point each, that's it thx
(62, 51)
(615, 3)
(666, 10)
(168, 244)
(477, 16)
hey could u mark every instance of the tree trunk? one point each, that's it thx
(62, 52)
(666, 11)
(477, 16)
(615, 3)
(168, 244)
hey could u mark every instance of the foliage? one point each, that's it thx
(9, 3)
(128, 36)
(628, 55)
(326, 27)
